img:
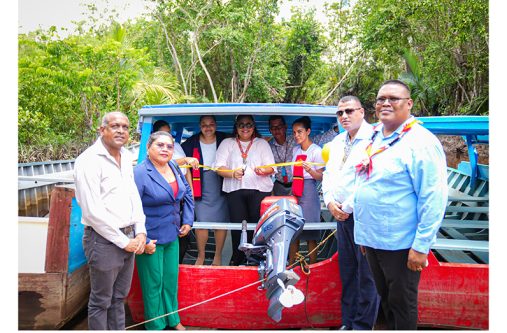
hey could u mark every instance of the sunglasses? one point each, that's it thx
(245, 125)
(347, 111)
(161, 146)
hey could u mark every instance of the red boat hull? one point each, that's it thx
(450, 295)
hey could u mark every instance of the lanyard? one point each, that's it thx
(244, 154)
(285, 178)
(366, 166)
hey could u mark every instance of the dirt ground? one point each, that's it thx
(456, 150)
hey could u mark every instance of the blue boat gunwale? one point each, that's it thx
(451, 125)
(184, 119)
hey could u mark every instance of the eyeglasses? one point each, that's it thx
(161, 146)
(245, 125)
(276, 128)
(339, 113)
(392, 100)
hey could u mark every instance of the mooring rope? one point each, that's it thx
(301, 260)
(197, 304)
(305, 268)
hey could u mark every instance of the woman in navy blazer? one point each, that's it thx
(169, 208)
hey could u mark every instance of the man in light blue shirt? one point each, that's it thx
(359, 300)
(400, 200)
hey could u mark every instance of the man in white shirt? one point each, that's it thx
(114, 221)
(360, 301)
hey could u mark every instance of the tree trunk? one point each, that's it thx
(341, 80)
(174, 54)
(210, 80)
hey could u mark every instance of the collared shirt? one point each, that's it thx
(340, 174)
(313, 154)
(402, 203)
(107, 193)
(177, 154)
(229, 156)
(284, 152)
(327, 136)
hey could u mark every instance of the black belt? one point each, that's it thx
(286, 185)
(126, 230)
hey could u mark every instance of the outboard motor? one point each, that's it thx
(277, 227)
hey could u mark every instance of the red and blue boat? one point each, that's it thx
(454, 289)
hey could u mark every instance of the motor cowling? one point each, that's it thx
(278, 226)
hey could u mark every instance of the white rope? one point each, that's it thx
(235, 290)
(197, 304)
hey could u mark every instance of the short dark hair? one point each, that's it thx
(305, 121)
(349, 98)
(396, 82)
(158, 124)
(236, 121)
(207, 116)
(275, 117)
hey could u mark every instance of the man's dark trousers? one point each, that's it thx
(397, 286)
(111, 271)
(360, 301)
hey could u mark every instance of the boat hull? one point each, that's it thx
(450, 296)
(453, 295)
(50, 298)
(247, 308)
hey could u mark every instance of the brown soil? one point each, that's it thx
(456, 150)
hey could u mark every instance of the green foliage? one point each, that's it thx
(439, 47)
(235, 51)
(158, 87)
(32, 125)
(303, 51)
(238, 43)
(66, 85)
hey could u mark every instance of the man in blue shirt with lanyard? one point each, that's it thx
(400, 200)
(359, 300)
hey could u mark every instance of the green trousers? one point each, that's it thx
(158, 274)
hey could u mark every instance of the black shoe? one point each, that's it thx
(345, 328)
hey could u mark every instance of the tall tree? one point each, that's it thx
(303, 51)
(449, 39)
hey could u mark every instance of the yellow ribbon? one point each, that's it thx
(263, 166)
